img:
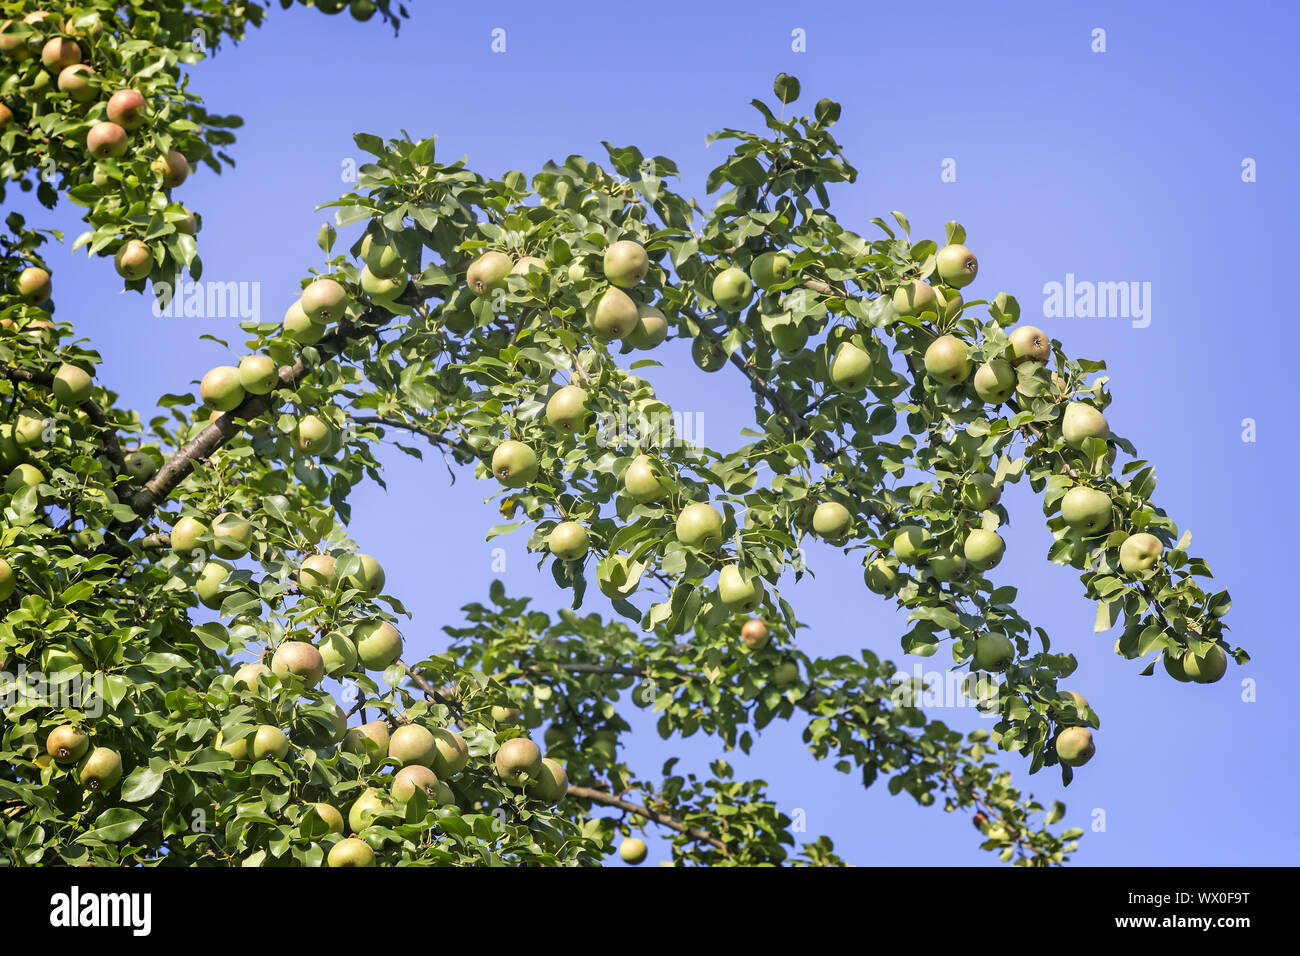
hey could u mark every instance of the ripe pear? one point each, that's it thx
(324, 301)
(568, 541)
(379, 644)
(412, 778)
(366, 807)
(249, 674)
(732, 289)
(211, 584)
(220, 388)
(100, 770)
(134, 260)
(946, 566)
(1081, 422)
(514, 464)
(528, 264)
(381, 256)
(451, 755)
(980, 493)
(956, 266)
(984, 549)
(258, 374)
(769, 269)
(369, 741)
(832, 521)
(330, 816)
(915, 297)
(651, 328)
(185, 535)
(632, 850)
(754, 634)
(519, 761)
(66, 744)
(947, 360)
(299, 327)
(300, 659)
(1207, 669)
(1140, 552)
(880, 577)
(737, 593)
(1074, 746)
(106, 141)
(615, 315)
(1086, 509)
(317, 571)
(338, 654)
(350, 852)
(76, 81)
(488, 273)
(552, 782)
(269, 743)
(994, 652)
(412, 744)
(567, 409)
(995, 381)
(369, 578)
(909, 543)
(174, 168)
(851, 370)
(626, 263)
(790, 338)
(60, 53)
(700, 526)
(34, 285)
(643, 480)
(1029, 344)
(126, 108)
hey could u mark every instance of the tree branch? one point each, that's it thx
(609, 800)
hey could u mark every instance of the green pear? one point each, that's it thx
(915, 297)
(369, 741)
(1072, 705)
(851, 370)
(299, 659)
(568, 541)
(7, 580)
(368, 578)
(249, 674)
(211, 584)
(615, 315)
(946, 567)
(72, 385)
(832, 521)
(412, 744)
(24, 476)
(1173, 666)
(700, 526)
(381, 256)
(632, 850)
(980, 493)
(769, 269)
(330, 816)
(451, 754)
(514, 464)
(232, 536)
(1081, 422)
(880, 577)
(366, 807)
(338, 654)
(317, 571)
(100, 770)
(1206, 669)
(790, 338)
(651, 328)
(527, 265)
(994, 652)
(519, 761)
(910, 542)
(707, 354)
(412, 778)
(984, 549)
(133, 260)
(258, 374)
(552, 781)
(947, 360)
(567, 409)
(382, 289)
(66, 744)
(643, 480)
(785, 673)
(1029, 344)
(995, 381)
(379, 644)
(626, 263)
(1140, 552)
(488, 273)
(299, 327)
(324, 301)
(737, 593)
(1074, 746)
(1086, 509)
(313, 436)
(220, 388)
(732, 289)
(34, 286)
(350, 852)
(269, 743)
(956, 265)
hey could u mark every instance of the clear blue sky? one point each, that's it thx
(1115, 166)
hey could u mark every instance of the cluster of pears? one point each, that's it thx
(96, 769)
(72, 386)
(385, 273)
